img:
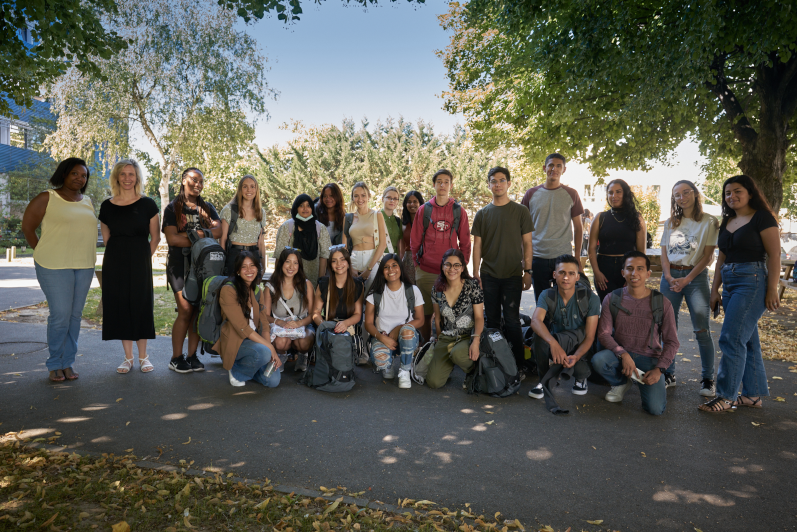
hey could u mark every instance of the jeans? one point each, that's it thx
(541, 275)
(697, 295)
(744, 289)
(612, 269)
(66, 292)
(569, 341)
(251, 362)
(502, 296)
(382, 356)
(654, 396)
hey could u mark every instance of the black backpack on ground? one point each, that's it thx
(334, 361)
(496, 372)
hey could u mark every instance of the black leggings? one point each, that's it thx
(232, 253)
(612, 269)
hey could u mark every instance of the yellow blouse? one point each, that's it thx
(69, 235)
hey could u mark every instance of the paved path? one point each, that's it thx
(19, 286)
(680, 471)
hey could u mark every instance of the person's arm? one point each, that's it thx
(225, 227)
(715, 284)
(106, 233)
(401, 247)
(416, 234)
(600, 279)
(154, 234)
(665, 268)
(32, 219)
(324, 243)
(318, 306)
(355, 317)
(261, 246)
(538, 326)
(215, 223)
(266, 339)
(578, 236)
(477, 258)
(175, 239)
(438, 321)
(708, 255)
(478, 318)
(528, 256)
(464, 235)
(642, 235)
(418, 317)
(771, 239)
(266, 312)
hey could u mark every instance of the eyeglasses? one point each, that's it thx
(449, 266)
(686, 194)
(498, 182)
(390, 198)
(293, 249)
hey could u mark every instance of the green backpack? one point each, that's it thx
(209, 320)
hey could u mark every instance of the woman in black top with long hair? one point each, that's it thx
(613, 233)
(412, 202)
(330, 211)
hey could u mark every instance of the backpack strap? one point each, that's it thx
(457, 218)
(550, 300)
(582, 298)
(427, 220)
(377, 303)
(233, 221)
(409, 294)
(616, 305)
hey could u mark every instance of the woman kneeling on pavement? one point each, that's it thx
(393, 324)
(345, 300)
(459, 319)
(289, 299)
(246, 352)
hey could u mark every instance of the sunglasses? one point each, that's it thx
(337, 247)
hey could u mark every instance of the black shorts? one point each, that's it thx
(175, 269)
(232, 253)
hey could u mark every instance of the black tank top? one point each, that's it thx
(616, 235)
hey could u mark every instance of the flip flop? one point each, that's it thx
(55, 377)
(73, 375)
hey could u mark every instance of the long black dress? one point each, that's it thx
(127, 294)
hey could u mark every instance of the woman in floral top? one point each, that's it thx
(459, 317)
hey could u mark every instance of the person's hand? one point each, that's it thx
(557, 353)
(388, 340)
(473, 352)
(276, 359)
(478, 278)
(714, 300)
(526, 280)
(340, 327)
(291, 324)
(570, 361)
(772, 300)
(652, 376)
(601, 281)
(433, 339)
(628, 365)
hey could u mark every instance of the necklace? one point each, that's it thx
(615, 217)
(394, 296)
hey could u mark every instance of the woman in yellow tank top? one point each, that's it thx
(64, 257)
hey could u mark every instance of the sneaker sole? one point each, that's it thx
(198, 369)
(708, 393)
(614, 400)
(535, 396)
(405, 386)
(579, 392)
(180, 370)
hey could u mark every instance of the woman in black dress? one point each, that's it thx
(130, 230)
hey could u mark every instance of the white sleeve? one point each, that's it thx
(418, 296)
(370, 299)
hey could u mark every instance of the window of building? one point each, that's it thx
(589, 191)
(18, 137)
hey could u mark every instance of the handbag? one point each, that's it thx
(284, 332)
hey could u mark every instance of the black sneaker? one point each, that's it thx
(180, 365)
(708, 388)
(537, 392)
(580, 387)
(195, 364)
(669, 381)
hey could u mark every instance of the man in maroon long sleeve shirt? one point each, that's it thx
(628, 348)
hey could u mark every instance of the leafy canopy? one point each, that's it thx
(287, 10)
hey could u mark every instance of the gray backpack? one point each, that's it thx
(334, 361)
(496, 373)
(209, 320)
(204, 259)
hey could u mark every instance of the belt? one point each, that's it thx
(248, 248)
(679, 267)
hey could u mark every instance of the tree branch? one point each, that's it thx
(742, 129)
(787, 90)
(142, 118)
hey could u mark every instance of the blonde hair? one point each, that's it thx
(362, 185)
(257, 206)
(117, 169)
(391, 188)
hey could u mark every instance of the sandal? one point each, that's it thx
(718, 405)
(57, 376)
(125, 366)
(73, 375)
(146, 365)
(740, 401)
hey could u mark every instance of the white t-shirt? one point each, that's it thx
(685, 243)
(393, 309)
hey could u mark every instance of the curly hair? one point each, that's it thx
(630, 204)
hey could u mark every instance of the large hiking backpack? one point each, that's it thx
(496, 373)
(209, 319)
(656, 307)
(427, 220)
(205, 259)
(334, 361)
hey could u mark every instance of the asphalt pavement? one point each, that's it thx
(684, 470)
(19, 286)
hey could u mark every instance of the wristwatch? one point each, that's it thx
(528, 271)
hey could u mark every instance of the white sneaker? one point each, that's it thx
(404, 379)
(390, 373)
(615, 395)
(234, 381)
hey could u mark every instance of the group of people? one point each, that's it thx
(388, 275)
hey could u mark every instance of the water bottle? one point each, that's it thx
(269, 369)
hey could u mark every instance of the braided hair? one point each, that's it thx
(179, 203)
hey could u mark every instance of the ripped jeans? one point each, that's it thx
(503, 296)
(382, 356)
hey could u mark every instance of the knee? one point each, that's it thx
(655, 409)
(274, 380)
(408, 332)
(603, 359)
(281, 344)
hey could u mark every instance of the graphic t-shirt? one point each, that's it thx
(685, 243)
(501, 230)
(393, 308)
(192, 222)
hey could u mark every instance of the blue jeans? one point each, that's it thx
(382, 356)
(251, 362)
(697, 295)
(744, 289)
(654, 396)
(66, 292)
(502, 298)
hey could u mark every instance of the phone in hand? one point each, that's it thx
(716, 309)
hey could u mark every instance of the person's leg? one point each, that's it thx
(441, 365)
(251, 358)
(127, 364)
(582, 371)
(511, 292)
(492, 301)
(460, 355)
(754, 381)
(82, 280)
(542, 356)
(541, 275)
(425, 281)
(193, 335)
(143, 358)
(608, 366)
(654, 396)
(381, 355)
(697, 295)
(675, 299)
(181, 324)
(408, 343)
(58, 287)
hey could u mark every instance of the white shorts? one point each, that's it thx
(360, 260)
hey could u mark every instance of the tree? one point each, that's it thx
(618, 84)
(287, 10)
(186, 79)
(67, 33)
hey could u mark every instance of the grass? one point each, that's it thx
(163, 311)
(53, 490)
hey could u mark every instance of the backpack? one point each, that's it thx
(204, 259)
(360, 349)
(496, 373)
(427, 220)
(656, 307)
(334, 361)
(583, 293)
(420, 363)
(209, 320)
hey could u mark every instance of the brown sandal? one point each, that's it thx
(740, 401)
(73, 375)
(718, 405)
(57, 376)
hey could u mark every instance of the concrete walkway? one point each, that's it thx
(681, 471)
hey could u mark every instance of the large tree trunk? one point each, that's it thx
(163, 189)
(765, 160)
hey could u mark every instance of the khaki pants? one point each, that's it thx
(425, 283)
(448, 351)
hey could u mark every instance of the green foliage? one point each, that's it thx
(67, 34)
(648, 204)
(619, 85)
(286, 10)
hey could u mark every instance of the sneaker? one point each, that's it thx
(180, 365)
(537, 392)
(708, 388)
(301, 362)
(195, 364)
(234, 381)
(404, 380)
(580, 387)
(615, 395)
(390, 373)
(669, 380)
(522, 374)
